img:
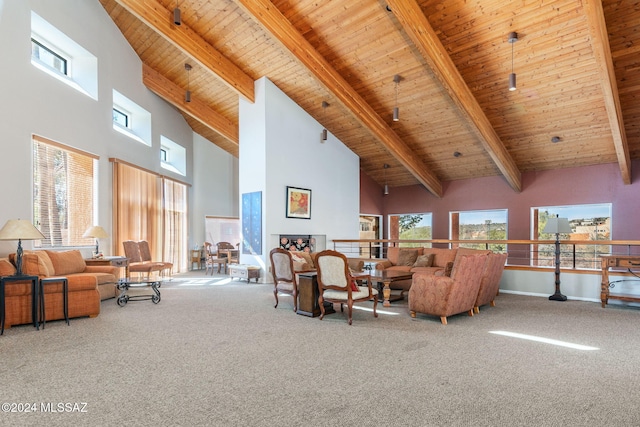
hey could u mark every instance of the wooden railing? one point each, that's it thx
(574, 254)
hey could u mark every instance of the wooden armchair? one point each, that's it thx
(445, 296)
(336, 285)
(136, 265)
(284, 277)
(145, 254)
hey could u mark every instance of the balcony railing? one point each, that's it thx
(574, 254)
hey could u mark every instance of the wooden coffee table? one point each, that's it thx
(385, 278)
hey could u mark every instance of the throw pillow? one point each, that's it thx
(424, 261)
(354, 285)
(447, 269)
(30, 264)
(407, 257)
(67, 262)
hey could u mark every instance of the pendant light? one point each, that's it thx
(187, 95)
(176, 15)
(396, 110)
(324, 114)
(386, 187)
(513, 37)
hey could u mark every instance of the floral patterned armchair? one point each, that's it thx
(445, 296)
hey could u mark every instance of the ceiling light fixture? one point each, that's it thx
(457, 154)
(324, 130)
(176, 15)
(386, 187)
(396, 110)
(555, 139)
(513, 37)
(187, 95)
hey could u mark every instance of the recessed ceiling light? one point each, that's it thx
(555, 139)
(457, 154)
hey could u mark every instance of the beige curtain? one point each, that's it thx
(136, 208)
(152, 208)
(175, 224)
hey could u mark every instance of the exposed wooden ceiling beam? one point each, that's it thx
(602, 51)
(264, 12)
(184, 38)
(415, 24)
(174, 95)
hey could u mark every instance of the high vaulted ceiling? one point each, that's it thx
(577, 64)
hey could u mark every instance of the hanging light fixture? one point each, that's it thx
(386, 187)
(324, 130)
(187, 95)
(513, 37)
(396, 110)
(176, 15)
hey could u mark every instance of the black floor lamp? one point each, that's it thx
(557, 226)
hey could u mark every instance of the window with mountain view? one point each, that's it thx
(479, 225)
(588, 222)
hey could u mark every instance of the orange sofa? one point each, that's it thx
(83, 282)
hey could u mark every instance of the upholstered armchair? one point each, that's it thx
(445, 296)
(490, 282)
(284, 277)
(145, 255)
(336, 285)
(136, 264)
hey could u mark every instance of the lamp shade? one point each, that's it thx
(557, 225)
(20, 229)
(96, 232)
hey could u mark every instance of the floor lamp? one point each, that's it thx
(557, 226)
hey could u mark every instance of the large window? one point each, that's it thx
(588, 222)
(63, 193)
(479, 225)
(415, 226)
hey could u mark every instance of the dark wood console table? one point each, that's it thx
(630, 262)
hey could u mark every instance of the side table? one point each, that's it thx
(65, 296)
(116, 261)
(34, 297)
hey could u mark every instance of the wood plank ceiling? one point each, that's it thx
(577, 65)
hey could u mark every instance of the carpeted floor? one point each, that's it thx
(215, 352)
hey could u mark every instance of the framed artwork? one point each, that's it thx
(298, 203)
(252, 223)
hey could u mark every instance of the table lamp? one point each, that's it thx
(96, 232)
(20, 229)
(557, 226)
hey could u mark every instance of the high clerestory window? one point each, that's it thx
(59, 56)
(64, 182)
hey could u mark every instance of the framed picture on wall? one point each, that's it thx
(298, 203)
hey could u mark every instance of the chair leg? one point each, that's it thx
(321, 304)
(295, 300)
(470, 313)
(476, 309)
(375, 304)
(413, 314)
(492, 303)
(350, 310)
(275, 294)
(443, 319)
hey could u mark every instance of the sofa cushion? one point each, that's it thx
(67, 262)
(424, 260)
(6, 268)
(305, 256)
(441, 256)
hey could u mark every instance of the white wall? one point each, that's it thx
(33, 102)
(279, 147)
(215, 189)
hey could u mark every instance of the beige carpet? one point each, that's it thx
(218, 353)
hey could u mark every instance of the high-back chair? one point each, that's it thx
(490, 282)
(136, 265)
(145, 254)
(445, 296)
(284, 276)
(336, 285)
